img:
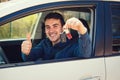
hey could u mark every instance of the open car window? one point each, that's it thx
(86, 15)
(33, 24)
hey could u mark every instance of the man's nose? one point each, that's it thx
(51, 29)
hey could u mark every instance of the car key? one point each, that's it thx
(63, 37)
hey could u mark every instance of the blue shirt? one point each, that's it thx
(79, 47)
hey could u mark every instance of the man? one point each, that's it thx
(52, 47)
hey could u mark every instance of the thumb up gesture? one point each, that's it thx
(26, 45)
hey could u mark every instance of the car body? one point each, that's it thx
(104, 22)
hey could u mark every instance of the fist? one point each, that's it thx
(26, 45)
(75, 24)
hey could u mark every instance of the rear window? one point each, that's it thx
(116, 28)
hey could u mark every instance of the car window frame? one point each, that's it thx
(23, 14)
(108, 29)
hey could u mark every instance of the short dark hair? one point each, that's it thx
(55, 15)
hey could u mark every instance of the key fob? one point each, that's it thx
(63, 37)
(68, 34)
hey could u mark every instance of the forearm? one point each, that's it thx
(85, 44)
(35, 53)
(31, 57)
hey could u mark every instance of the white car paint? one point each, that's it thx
(113, 68)
(10, 6)
(88, 69)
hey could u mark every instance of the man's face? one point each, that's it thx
(53, 28)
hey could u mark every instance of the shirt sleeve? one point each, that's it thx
(84, 47)
(36, 53)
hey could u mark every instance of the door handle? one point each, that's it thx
(92, 78)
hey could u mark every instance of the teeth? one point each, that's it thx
(52, 35)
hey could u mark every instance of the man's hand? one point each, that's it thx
(26, 45)
(75, 24)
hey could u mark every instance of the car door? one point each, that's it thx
(92, 68)
(112, 49)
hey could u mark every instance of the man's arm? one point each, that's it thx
(35, 53)
(84, 48)
(84, 45)
(29, 53)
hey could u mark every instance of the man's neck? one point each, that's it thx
(56, 42)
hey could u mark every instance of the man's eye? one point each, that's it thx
(55, 26)
(47, 27)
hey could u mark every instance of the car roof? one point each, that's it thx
(16, 5)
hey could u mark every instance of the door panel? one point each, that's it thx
(87, 69)
(112, 66)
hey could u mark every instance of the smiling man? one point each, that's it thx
(53, 28)
(52, 47)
